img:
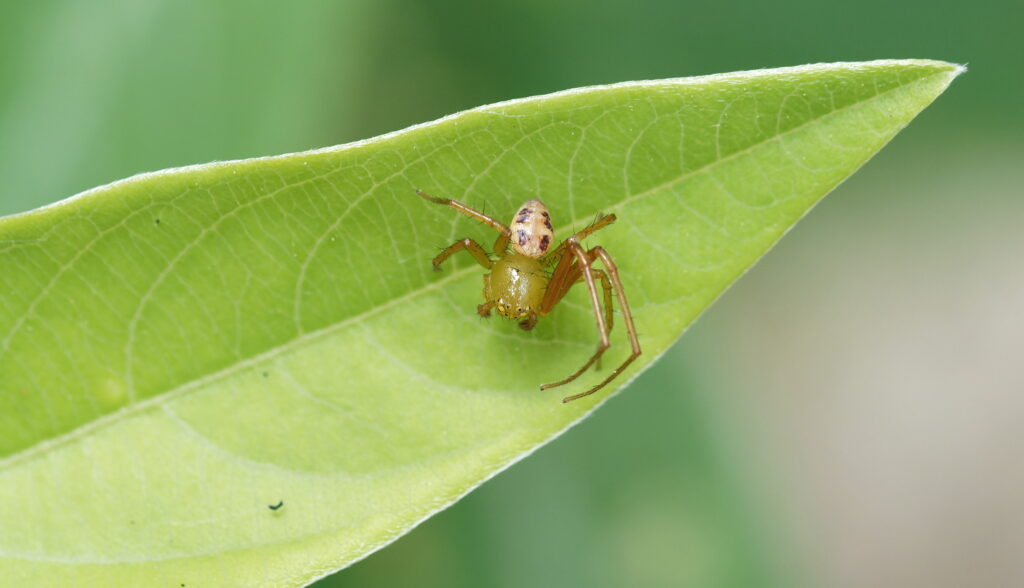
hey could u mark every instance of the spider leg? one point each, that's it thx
(608, 314)
(562, 278)
(501, 243)
(471, 246)
(583, 265)
(607, 286)
(469, 212)
(566, 279)
(627, 316)
(579, 236)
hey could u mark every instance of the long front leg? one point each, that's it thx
(627, 317)
(607, 287)
(567, 275)
(562, 278)
(583, 263)
(609, 320)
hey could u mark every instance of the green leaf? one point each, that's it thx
(181, 350)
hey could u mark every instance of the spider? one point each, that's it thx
(523, 286)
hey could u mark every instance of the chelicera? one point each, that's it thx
(528, 277)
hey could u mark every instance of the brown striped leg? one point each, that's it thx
(562, 278)
(471, 246)
(501, 244)
(501, 228)
(583, 263)
(608, 309)
(579, 236)
(568, 279)
(627, 317)
(607, 286)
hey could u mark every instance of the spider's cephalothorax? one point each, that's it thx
(523, 286)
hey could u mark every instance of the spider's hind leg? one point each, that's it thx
(497, 226)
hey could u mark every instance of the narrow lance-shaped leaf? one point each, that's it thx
(183, 349)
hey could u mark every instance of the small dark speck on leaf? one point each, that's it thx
(265, 374)
(276, 506)
(158, 222)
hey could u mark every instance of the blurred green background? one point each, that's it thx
(847, 415)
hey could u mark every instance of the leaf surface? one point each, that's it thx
(181, 350)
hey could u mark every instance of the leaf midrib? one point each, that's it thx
(157, 399)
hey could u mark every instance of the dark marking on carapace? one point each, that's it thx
(523, 237)
(547, 222)
(544, 242)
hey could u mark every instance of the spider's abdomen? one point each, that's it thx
(531, 229)
(516, 285)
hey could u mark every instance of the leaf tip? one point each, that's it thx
(951, 69)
